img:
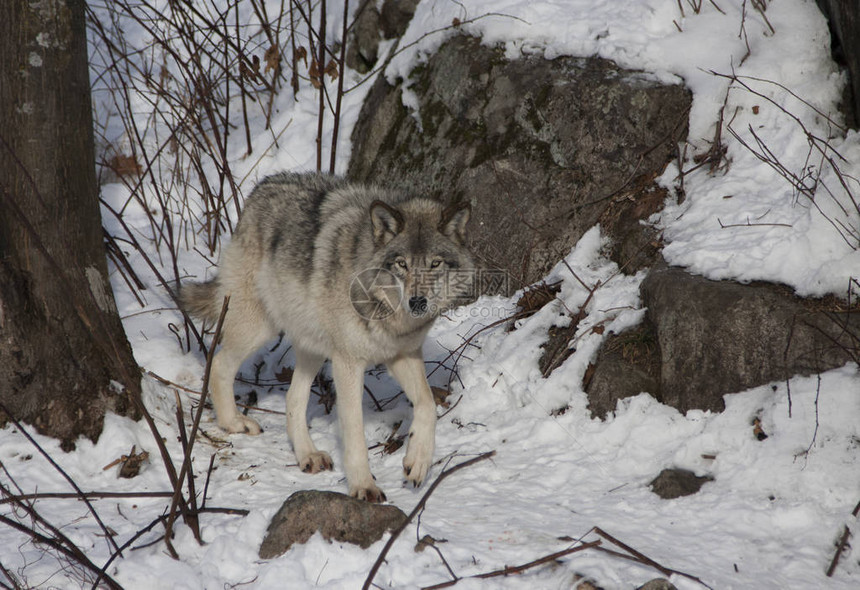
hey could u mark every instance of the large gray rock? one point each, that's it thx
(362, 48)
(627, 364)
(395, 16)
(371, 23)
(336, 516)
(538, 147)
(702, 339)
(675, 483)
(718, 337)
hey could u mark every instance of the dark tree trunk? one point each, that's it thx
(844, 18)
(64, 357)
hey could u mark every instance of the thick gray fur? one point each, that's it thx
(348, 272)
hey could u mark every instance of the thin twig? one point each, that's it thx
(208, 476)
(640, 556)
(815, 432)
(341, 61)
(396, 533)
(62, 472)
(750, 224)
(321, 80)
(191, 516)
(59, 541)
(644, 559)
(156, 522)
(511, 570)
(840, 547)
(468, 340)
(94, 495)
(186, 462)
(77, 556)
(175, 385)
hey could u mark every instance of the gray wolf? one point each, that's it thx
(351, 273)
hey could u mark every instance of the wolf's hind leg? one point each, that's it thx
(408, 370)
(349, 384)
(310, 459)
(245, 330)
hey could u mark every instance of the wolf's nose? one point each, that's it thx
(418, 304)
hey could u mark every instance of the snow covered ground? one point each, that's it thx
(772, 515)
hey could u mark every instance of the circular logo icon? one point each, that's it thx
(375, 293)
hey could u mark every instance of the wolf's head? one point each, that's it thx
(422, 264)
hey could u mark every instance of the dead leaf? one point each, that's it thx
(285, 375)
(300, 54)
(247, 73)
(534, 297)
(131, 467)
(272, 58)
(129, 464)
(393, 442)
(331, 69)
(326, 393)
(427, 541)
(124, 165)
(314, 74)
(559, 411)
(758, 431)
(440, 395)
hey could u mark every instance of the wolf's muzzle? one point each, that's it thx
(418, 304)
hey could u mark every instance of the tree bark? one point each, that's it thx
(844, 19)
(64, 357)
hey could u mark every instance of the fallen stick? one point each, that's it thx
(843, 541)
(639, 557)
(88, 495)
(511, 570)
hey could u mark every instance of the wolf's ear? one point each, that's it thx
(387, 222)
(454, 220)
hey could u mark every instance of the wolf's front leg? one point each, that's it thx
(349, 385)
(408, 370)
(310, 459)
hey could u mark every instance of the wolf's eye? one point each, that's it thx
(401, 262)
(436, 263)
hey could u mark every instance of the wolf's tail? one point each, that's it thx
(201, 300)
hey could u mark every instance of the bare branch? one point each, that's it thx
(418, 508)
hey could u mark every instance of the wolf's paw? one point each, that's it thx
(369, 493)
(316, 462)
(240, 424)
(416, 464)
